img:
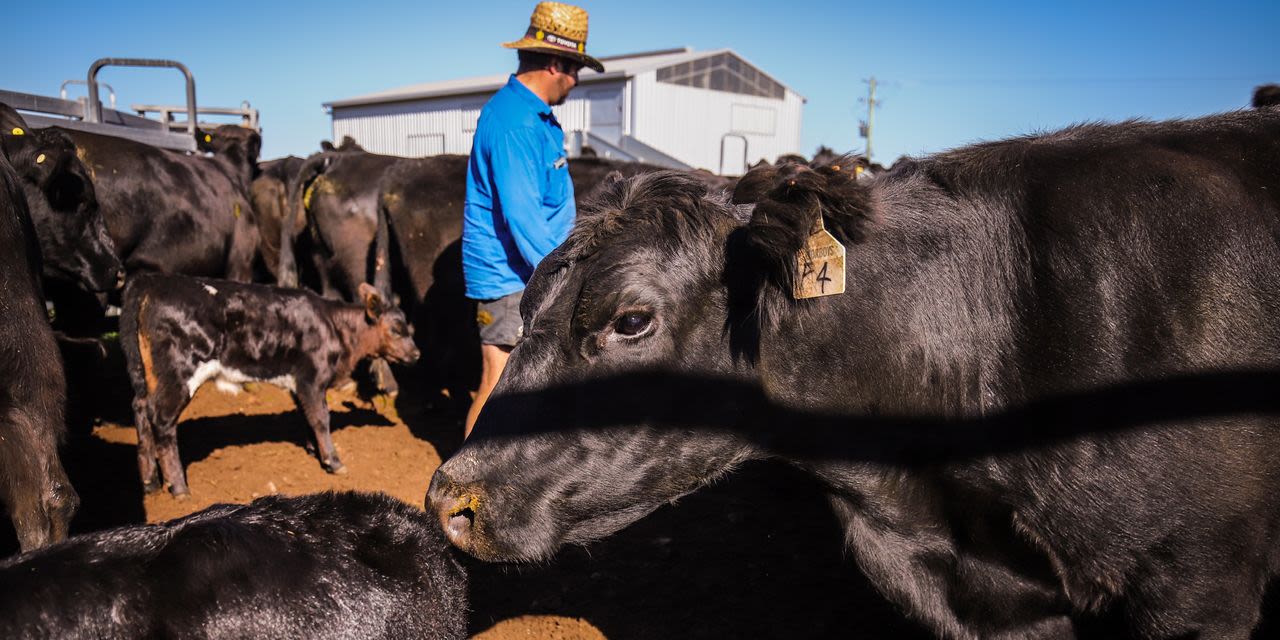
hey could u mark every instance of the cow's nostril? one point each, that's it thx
(458, 528)
(460, 518)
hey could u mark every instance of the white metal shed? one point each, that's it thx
(677, 107)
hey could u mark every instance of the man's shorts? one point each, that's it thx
(499, 320)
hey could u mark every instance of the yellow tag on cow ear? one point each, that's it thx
(236, 210)
(208, 138)
(17, 131)
(40, 158)
(819, 265)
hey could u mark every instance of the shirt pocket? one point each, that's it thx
(557, 190)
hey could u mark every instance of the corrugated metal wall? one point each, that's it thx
(438, 125)
(412, 129)
(691, 123)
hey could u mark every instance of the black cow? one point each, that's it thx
(332, 565)
(1049, 389)
(33, 486)
(171, 212)
(278, 223)
(178, 333)
(74, 244)
(337, 192)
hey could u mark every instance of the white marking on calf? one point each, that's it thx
(231, 380)
(211, 290)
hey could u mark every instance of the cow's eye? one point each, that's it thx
(632, 323)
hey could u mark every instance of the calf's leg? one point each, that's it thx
(310, 399)
(148, 470)
(167, 405)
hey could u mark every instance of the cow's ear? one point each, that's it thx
(325, 145)
(11, 122)
(612, 178)
(788, 212)
(63, 178)
(373, 302)
(204, 140)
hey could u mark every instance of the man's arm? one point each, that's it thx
(518, 170)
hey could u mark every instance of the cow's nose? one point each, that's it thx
(455, 506)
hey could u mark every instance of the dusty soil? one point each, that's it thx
(756, 556)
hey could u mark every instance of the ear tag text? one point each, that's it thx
(819, 265)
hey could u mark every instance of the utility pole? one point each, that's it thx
(866, 126)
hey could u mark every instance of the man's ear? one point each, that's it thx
(373, 302)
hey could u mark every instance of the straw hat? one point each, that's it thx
(559, 29)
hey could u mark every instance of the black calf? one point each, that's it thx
(332, 565)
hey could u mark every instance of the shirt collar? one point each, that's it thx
(528, 97)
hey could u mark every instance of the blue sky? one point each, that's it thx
(950, 73)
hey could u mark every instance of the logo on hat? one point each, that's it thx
(559, 29)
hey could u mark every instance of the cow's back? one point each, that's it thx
(166, 211)
(255, 328)
(334, 565)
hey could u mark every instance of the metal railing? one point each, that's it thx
(248, 115)
(94, 114)
(62, 91)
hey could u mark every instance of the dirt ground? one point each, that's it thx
(756, 556)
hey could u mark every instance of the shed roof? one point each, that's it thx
(616, 68)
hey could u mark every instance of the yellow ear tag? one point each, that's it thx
(819, 265)
(40, 158)
(17, 131)
(236, 210)
(208, 138)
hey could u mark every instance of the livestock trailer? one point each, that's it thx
(88, 114)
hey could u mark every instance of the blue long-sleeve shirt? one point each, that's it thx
(519, 204)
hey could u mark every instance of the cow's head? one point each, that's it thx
(239, 145)
(74, 243)
(629, 387)
(393, 333)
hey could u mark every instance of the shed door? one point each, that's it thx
(733, 154)
(424, 144)
(606, 113)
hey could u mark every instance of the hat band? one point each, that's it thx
(554, 40)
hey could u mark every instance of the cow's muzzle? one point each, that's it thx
(456, 507)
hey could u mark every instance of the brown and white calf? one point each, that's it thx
(179, 332)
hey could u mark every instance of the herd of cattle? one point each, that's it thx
(1050, 389)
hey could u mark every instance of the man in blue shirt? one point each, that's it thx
(519, 204)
